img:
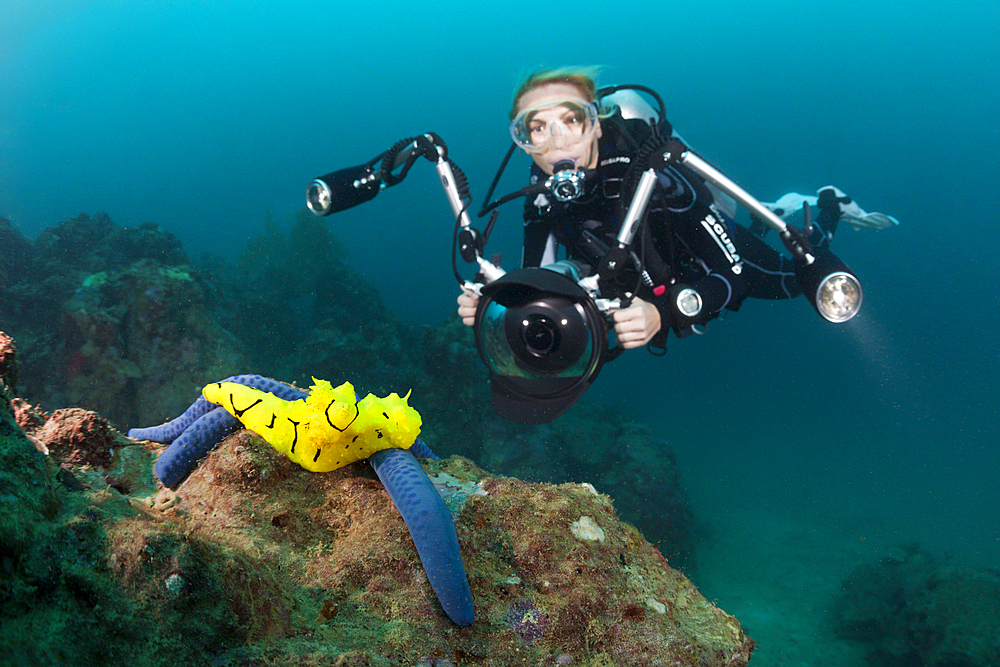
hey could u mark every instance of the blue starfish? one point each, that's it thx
(203, 425)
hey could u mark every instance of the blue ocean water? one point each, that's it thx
(201, 116)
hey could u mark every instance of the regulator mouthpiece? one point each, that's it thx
(566, 182)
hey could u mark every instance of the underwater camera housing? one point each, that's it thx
(543, 340)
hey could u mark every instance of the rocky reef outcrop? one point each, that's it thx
(255, 561)
(110, 319)
(916, 608)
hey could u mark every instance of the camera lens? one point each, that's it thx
(540, 334)
(542, 338)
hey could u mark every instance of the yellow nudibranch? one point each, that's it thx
(327, 429)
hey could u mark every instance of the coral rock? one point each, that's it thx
(256, 561)
(918, 609)
(79, 437)
(8, 362)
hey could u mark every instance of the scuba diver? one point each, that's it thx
(628, 235)
(695, 260)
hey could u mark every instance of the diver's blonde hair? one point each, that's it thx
(583, 78)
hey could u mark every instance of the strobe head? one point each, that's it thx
(831, 287)
(341, 190)
(542, 339)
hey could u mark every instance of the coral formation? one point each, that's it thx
(917, 609)
(293, 287)
(415, 497)
(80, 437)
(8, 361)
(258, 562)
(110, 319)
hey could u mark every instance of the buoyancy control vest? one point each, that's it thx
(586, 227)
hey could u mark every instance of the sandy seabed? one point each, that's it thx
(779, 571)
(778, 547)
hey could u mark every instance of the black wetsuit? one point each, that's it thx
(687, 241)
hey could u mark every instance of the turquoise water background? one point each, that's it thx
(199, 116)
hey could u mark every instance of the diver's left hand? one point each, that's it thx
(636, 325)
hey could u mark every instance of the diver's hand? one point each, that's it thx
(467, 302)
(636, 325)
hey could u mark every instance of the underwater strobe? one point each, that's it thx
(831, 287)
(346, 188)
(343, 189)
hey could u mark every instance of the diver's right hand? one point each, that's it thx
(467, 303)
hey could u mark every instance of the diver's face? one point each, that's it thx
(583, 151)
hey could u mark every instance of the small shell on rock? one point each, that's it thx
(586, 529)
(656, 606)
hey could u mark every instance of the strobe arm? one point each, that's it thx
(831, 287)
(675, 151)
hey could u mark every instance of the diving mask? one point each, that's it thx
(554, 124)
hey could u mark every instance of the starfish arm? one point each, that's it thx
(172, 429)
(422, 451)
(194, 433)
(182, 456)
(279, 389)
(432, 528)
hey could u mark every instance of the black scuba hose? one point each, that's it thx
(429, 145)
(487, 207)
(465, 194)
(389, 162)
(461, 182)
